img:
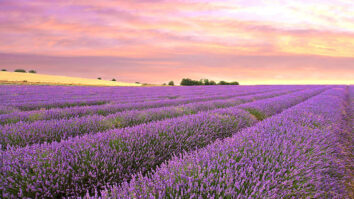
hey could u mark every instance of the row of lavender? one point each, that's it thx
(59, 113)
(26, 133)
(292, 155)
(47, 93)
(48, 97)
(86, 163)
(15, 98)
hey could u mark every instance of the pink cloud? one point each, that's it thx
(180, 38)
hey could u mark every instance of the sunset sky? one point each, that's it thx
(154, 41)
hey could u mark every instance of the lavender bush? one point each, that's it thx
(83, 164)
(26, 133)
(106, 109)
(176, 142)
(291, 155)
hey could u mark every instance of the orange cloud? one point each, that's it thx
(171, 31)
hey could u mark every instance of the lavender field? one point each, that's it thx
(176, 142)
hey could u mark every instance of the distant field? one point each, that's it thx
(41, 79)
(289, 141)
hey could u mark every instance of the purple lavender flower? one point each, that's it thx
(95, 161)
(291, 155)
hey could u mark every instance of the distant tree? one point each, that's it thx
(3, 70)
(190, 82)
(206, 82)
(137, 82)
(186, 82)
(228, 83)
(20, 70)
(32, 71)
(212, 82)
(222, 83)
(99, 78)
(164, 84)
(114, 80)
(171, 83)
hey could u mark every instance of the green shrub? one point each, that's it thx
(20, 70)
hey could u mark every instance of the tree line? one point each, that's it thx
(21, 71)
(204, 82)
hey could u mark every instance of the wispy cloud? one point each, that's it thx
(180, 35)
